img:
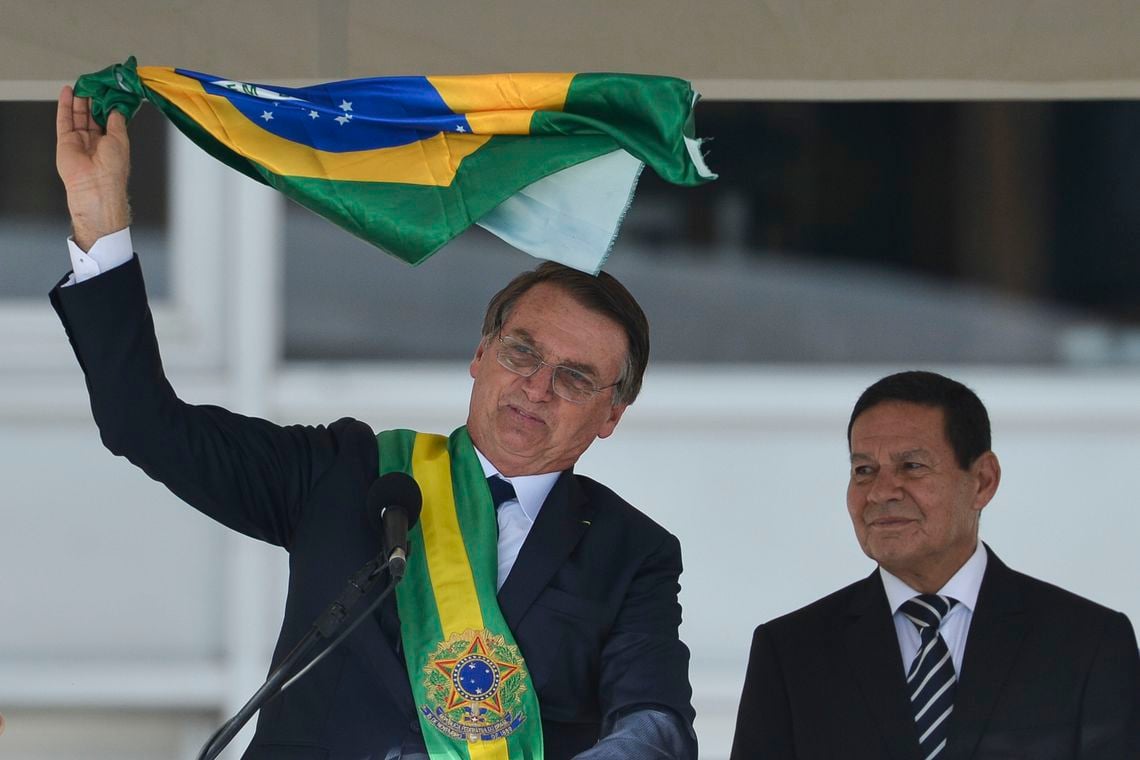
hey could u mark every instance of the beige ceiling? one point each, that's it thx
(730, 48)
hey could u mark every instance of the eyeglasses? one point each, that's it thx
(569, 384)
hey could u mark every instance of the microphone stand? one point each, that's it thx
(325, 626)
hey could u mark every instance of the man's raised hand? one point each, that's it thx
(94, 166)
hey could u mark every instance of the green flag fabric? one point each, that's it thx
(548, 162)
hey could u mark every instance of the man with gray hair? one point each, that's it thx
(539, 614)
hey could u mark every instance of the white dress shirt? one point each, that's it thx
(517, 516)
(963, 586)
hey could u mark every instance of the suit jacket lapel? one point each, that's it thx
(562, 521)
(871, 649)
(996, 632)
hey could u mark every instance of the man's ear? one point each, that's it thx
(479, 351)
(987, 474)
(612, 420)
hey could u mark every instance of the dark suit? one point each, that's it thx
(1046, 674)
(592, 597)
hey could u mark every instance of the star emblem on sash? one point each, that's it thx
(476, 677)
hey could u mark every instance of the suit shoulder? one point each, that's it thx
(345, 440)
(609, 506)
(1058, 602)
(819, 614)
(352, 431)
(346, 432)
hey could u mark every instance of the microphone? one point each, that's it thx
(394, 504)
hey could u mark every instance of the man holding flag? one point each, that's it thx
(539, 617)
(546, 161)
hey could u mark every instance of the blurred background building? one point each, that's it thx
(950, 186)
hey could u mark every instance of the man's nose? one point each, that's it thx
(540, 385)
(885, 487)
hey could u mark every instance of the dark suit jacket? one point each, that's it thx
(1046, 674)
(592, 598)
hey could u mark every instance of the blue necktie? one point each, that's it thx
(501, 491)
(931, 678)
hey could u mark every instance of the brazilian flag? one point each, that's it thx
(548, 162)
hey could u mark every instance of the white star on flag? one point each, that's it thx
(460, 128)
(266, 115)
(345, 105)
(343, 119)
(314, 115)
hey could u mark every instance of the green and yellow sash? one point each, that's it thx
(470, 683)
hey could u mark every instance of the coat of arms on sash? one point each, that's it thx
(474, 684)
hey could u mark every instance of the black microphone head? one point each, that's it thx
(394, 489)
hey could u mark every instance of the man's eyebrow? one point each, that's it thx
(899, 456)
(919, 453)
(523, 335)
(583, 367)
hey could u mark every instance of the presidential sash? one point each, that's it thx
(471, 686)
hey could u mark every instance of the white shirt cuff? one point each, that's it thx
(107, 253)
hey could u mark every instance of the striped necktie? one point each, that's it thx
(931, 678)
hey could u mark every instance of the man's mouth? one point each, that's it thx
(524, 415)
(890, 522)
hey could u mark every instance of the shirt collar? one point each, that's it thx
(963, 585)
(531, 490)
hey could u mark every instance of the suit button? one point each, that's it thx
(415, 726)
